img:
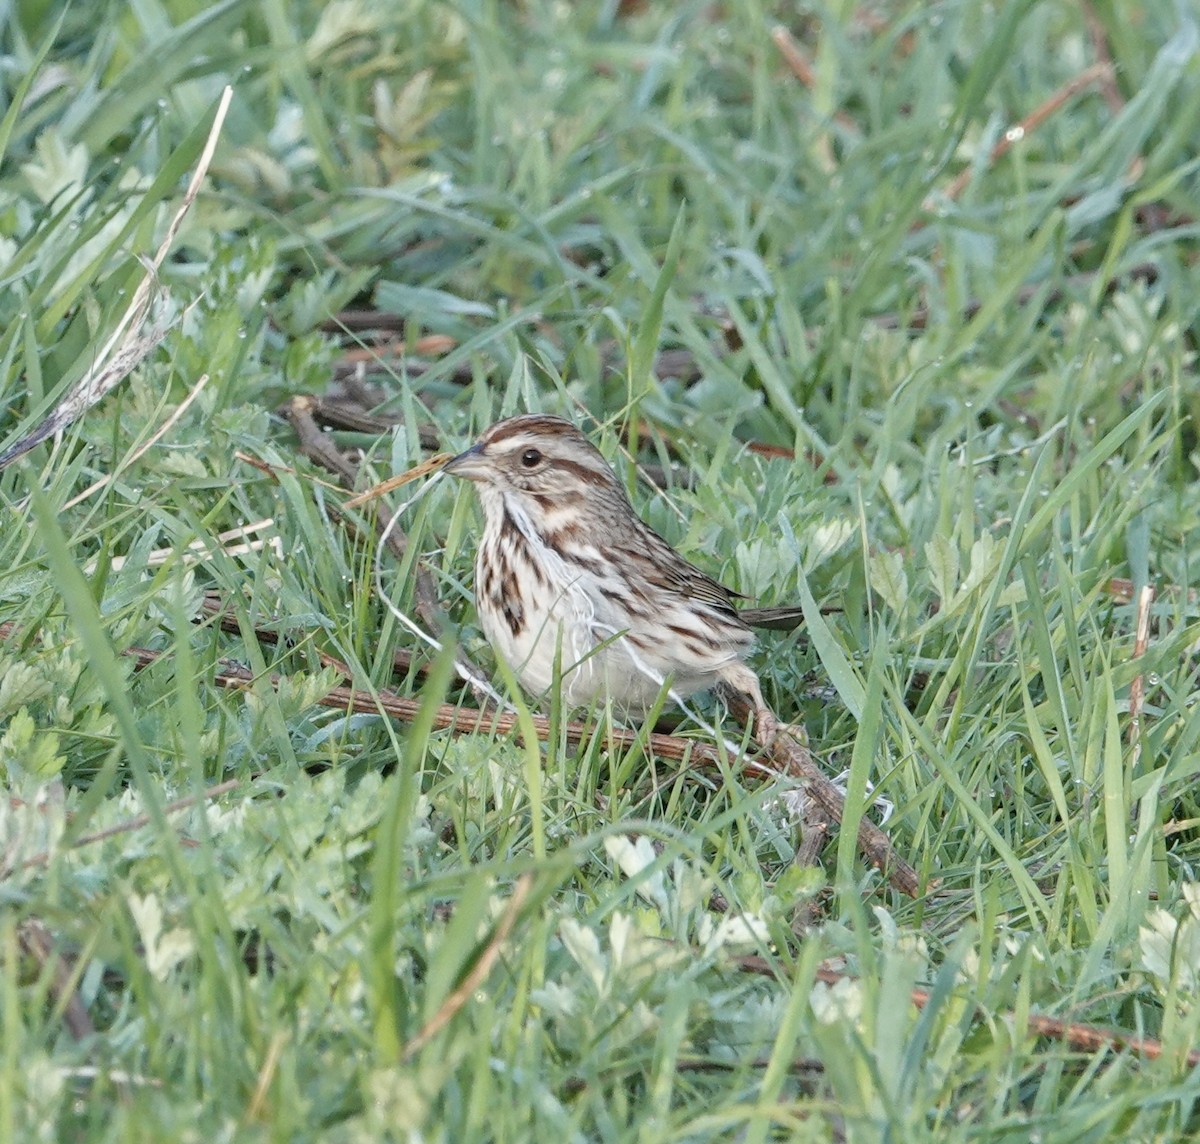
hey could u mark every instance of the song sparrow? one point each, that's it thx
(569, 579)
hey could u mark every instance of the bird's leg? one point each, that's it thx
(742, 678)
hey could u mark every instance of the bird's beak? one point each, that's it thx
(471, 465)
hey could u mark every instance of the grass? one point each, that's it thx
(940, 379)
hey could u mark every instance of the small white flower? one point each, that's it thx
(837, 1003)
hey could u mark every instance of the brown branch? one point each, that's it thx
(1086, 1037)
(347, 412)
(798, 63)
(137, 822)
(36, 943)
(791, 758)
(804, 1068)
(787, 758)
(347, 373)
(469, 720)
(315, 443)
(801, 1066)
(1097, 73)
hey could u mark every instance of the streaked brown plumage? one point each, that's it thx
(568, 576)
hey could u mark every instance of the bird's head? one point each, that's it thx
(540, 459)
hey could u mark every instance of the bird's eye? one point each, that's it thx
(530, 458)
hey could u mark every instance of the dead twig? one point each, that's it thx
(798, 63)
(146, 445)
(478, 973)
(1085, 1037)
(468, 720)
(828, 805)
(137, 822)
(1018, 132)
(1098, 34)
(36, 943)
(320, 447)
(787, 758)
(353, 412)
(315, 443)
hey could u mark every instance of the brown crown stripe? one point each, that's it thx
(531, 423)
(538, 428)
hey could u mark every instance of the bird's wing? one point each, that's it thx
(667, 569)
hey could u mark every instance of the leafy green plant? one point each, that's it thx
(902, 304)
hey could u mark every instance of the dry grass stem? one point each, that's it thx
(479, 971)
(125, 349)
